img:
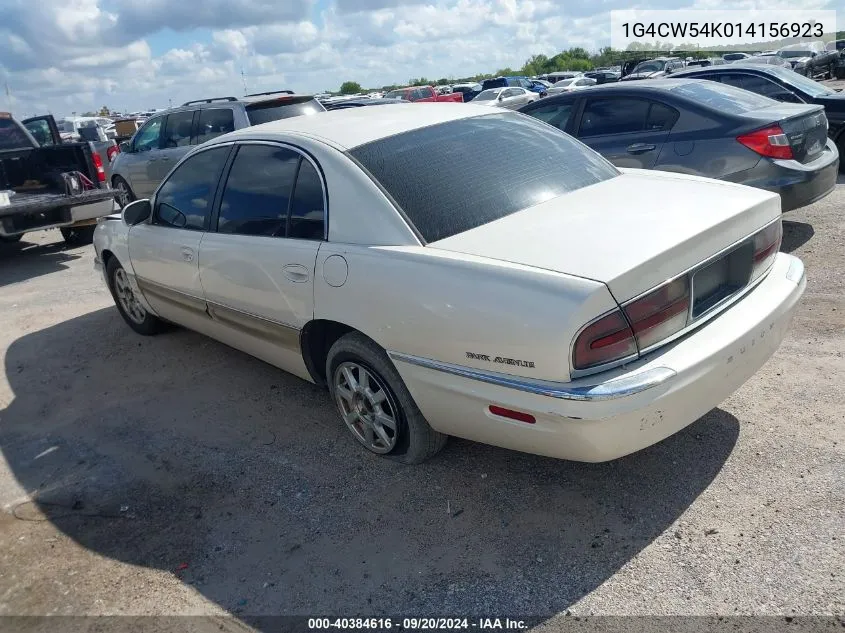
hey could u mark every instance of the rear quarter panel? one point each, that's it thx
(443, 306)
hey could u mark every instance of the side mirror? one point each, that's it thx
(125, 148)
(669, 70)
(813, 54)
(136, 212)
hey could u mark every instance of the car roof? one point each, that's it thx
(727, 68)
(350, 127)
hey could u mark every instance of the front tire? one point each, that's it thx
(77, 236)
(135, 315)
(374, 403)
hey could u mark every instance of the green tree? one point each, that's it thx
(350, 88)
(104, 111)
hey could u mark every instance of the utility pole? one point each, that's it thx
(9, 97)
(243, 78)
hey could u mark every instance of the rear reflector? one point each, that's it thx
(111, 152)
(659, 314)
(603, 341)
(519, 416)
(766, 246)
(770, 142)
(98, 164)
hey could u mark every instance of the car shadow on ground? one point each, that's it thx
(23, 260)
(795, 235)
(181, 454)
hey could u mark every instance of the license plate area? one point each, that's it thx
(721, 279)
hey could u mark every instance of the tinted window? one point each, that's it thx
(760, 85)
(487, 84)
(555, 114)
(257, 194)
(661, 117)
(306, 209)
(184, 200)
(449, 178)
(613, 116)
(12, 136)
(40, 131)
(722, 97)
(275, 110)
(177, 130)
(147, 137)
(214, 122)
(398, 94)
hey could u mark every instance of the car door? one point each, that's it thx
(257, 269)
(164, 250)
(175, 143)
(624, 130)
(135, 164)
(511, 98)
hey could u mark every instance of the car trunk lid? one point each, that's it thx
(632, 232)
(805, 127)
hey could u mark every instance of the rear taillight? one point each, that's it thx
(766, 247)
(659, 314)
(770, 142)
(111, 152)
(98, 164)
(605, 340)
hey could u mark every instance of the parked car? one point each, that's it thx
(529, 319)
(783, 85)
(555, 77)
(735, 57)
(469, 91)
(702, 128)
(48, 183)
(167, 136)
(839, 47)
(513, 82)
(710, 61)
(510, 98)
(769, 59)
(569, 85)
(360, 102)
(423, 94)
(602, 76)
(653, 68)
(810, 59)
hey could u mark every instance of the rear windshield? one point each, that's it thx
(723, 97)
(455, 176)
(12, 136)
(267, 111)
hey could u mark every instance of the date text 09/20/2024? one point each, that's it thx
(416, 624)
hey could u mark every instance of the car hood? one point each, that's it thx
(631, 232)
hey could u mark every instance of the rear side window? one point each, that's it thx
(177, 130)
(722, 97)
(660, 117)
(755, 84)
(184, 200)
(554, 114)
(275, 110)
(307, 208)
(613, 116)
(257, 194)
(214, 122)
(452, 177)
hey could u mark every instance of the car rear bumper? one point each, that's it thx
(633, 407)
(799, 184)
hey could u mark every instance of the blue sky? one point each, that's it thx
(77, 55)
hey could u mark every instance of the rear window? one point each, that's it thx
(12, 136)
(721, 97)
(266, 111)
(455, 176)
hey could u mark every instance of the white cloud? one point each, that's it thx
(75, 55)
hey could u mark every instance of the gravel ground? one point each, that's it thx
(175, 475)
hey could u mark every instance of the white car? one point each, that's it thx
(569, 85)
(566, 308)
(510, 98)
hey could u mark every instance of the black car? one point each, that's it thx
(602, 76)
(781, 84)
(358, 103)
(704, 129)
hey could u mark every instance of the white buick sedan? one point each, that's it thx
(525, 294)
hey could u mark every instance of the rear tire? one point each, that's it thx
(135, 315)
(371, 398)
(840, 145)
(122, 192)
(77, 236)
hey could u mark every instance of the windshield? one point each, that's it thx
(651, 66)
(398, 94)
(428, 171)
(789, 54)
(487, 95)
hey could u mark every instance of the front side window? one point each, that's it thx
(613, 116)
(213, 122)
(184, 200)
(147, 137)
(429, 171)
(258, 190)
(177, 130)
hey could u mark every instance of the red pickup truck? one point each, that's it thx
(423, 94)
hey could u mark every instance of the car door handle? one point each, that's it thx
(296, 273)
(640, 148)
(187, 254)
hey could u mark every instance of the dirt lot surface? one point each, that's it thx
(174, 475)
